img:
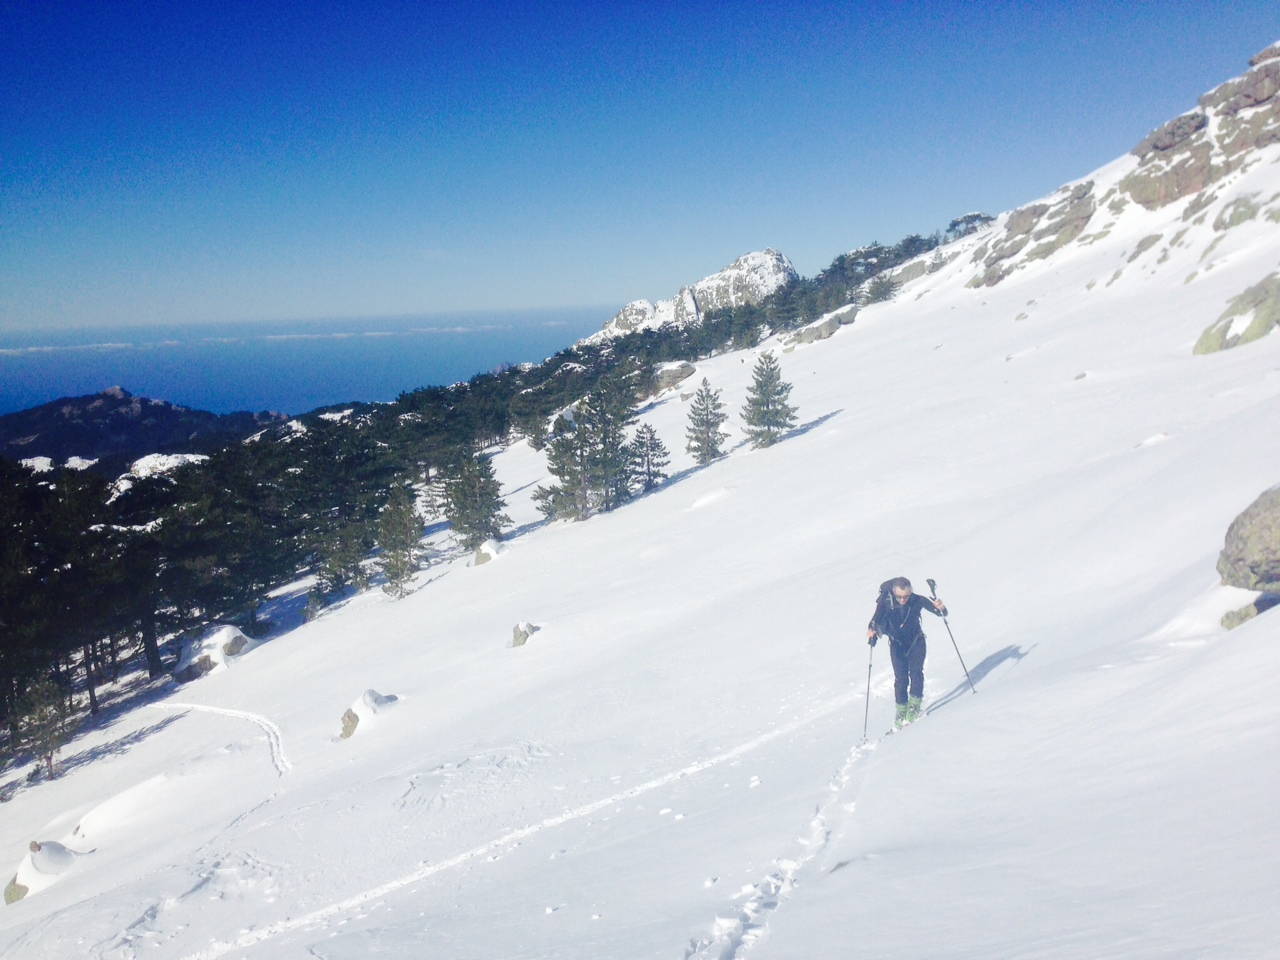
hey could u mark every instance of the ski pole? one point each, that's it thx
(867, 715)
(933, 589)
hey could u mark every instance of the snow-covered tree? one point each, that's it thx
(706, 417)
(766, 413)
(649, 456)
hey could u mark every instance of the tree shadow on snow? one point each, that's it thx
(806, 427)
(75, 761)
(979, 671)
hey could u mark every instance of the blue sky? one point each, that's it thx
(175, 163)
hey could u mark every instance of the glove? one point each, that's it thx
(871, 641)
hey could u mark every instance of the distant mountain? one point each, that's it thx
(114, 426)
(747, 280)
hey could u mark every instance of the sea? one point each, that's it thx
(285, 367)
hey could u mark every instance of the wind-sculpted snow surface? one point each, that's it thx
(671, 766)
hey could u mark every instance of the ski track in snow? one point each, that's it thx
(252, 937)
(736, 929)
(274, 738)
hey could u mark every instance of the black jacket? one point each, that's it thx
(900, 622)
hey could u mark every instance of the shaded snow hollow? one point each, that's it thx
(671, 766)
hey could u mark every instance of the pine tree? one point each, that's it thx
(569, 454)
(649, 456)
(341, 552)
(766, 412)
(472, 502)
(591, 457)
(609, 409)
(706, 417)
(45, 721)
(399, 530)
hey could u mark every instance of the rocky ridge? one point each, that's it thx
(1191, 197)
(747, 280)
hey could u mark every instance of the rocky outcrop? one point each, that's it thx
(747, 280)
(1197, 149)
(1172, 134)
(1251, 555)
(1249, 316)
(1238, 211)
(1038, 229)
(818, 330)
(1271, 53)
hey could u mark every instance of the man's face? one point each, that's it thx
(901, 595)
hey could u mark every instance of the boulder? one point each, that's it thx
(14, 891)
(350, 720)
(1251, 555)
(818, 330)
(485, 552)
(217, 649)
(521, 633)
(44, 862)
(667, 375)
(367, 706)
(194, 669)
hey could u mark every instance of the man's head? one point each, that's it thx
(901, 588)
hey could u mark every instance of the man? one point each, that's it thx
(897, 616)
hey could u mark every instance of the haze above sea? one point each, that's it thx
(287, 367)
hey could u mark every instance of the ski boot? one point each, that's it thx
(900, 717)
(915, 709)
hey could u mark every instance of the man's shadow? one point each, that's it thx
(981, 670)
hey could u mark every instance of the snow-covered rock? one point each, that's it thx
(489, 550)
(160, 463)
(366, 707)
(38, 464)
(44, 862)
(522, 631)
(667, 375)
(216, 650)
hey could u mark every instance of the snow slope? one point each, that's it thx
(671, 767)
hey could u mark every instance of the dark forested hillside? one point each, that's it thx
(115, 426)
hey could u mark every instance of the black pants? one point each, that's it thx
(908, 668)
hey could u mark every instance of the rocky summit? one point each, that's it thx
(747, 280)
